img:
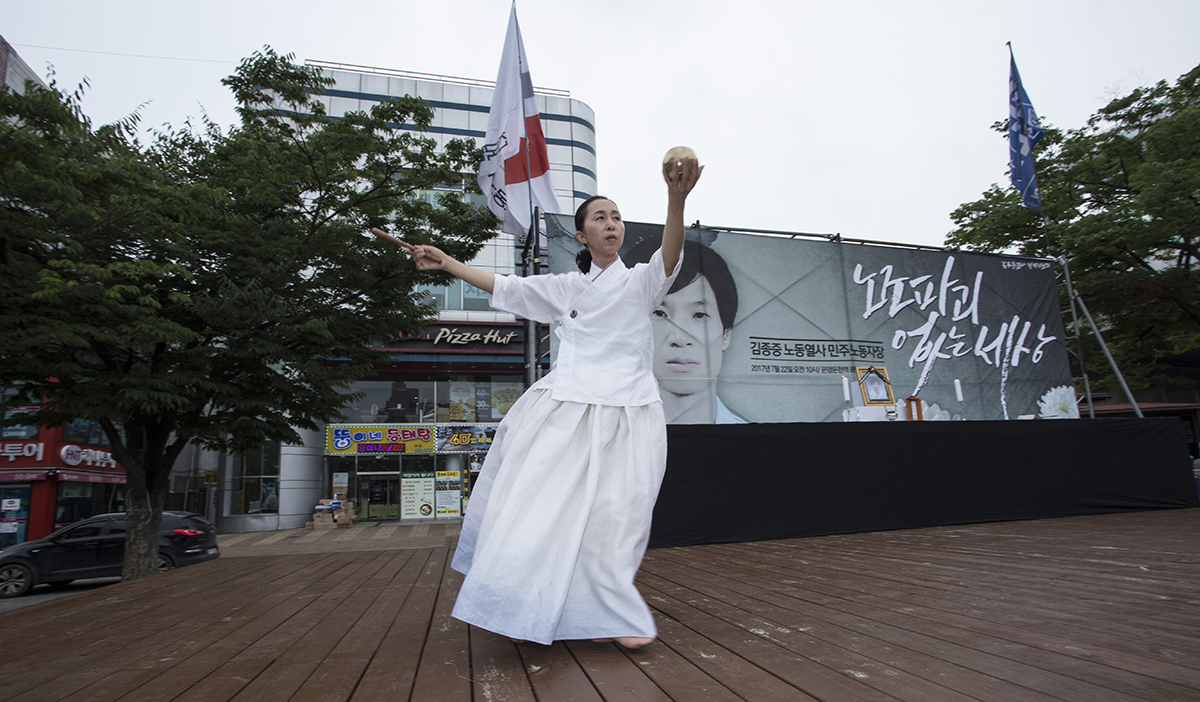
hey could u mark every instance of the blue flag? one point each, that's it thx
(1024, 130)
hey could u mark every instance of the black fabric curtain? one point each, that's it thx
(750, 482)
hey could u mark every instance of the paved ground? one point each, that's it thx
(44, 593)
(369, 536)
(1056, 610)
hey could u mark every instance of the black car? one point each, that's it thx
(95, 548)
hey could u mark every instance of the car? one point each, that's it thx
(95, 548)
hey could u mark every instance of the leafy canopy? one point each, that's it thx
(215, 287)
(1122, 197)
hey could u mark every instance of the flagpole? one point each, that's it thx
(525, 126)
(1021, 110)
(1062, 261)
(529, 258)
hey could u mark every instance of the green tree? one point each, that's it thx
(1122, 199)
(207, 287)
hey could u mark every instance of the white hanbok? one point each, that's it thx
(559, 519)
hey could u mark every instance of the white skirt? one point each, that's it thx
(558, 521)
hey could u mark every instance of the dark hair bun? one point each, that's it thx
(583, 259)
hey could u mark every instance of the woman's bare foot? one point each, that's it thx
(632, 642)
(601, 640)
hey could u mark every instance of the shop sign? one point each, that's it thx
(73, 455)
(448, 485)
(21, 476)
(22, 449)
(417, 496)
(454, 337)
(96, 457)
(464, 438)
(76, 477)
(463, 337)
(341, 439)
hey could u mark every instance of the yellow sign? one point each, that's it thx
(348, 439)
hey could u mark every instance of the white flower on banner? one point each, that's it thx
(1059, 403)
(933, 413)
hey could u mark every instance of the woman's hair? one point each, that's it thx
(583, 259)
(698, 260)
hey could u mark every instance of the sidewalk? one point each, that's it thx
(1057, 610)
(370, 536)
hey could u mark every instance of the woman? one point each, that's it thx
(559, 519)
(692, 329)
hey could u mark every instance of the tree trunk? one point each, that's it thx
(148, 455)
(143, 520)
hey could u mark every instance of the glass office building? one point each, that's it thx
(409, 447)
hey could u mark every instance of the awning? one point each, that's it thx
(74, 476)
(22, 475)
(80, 476)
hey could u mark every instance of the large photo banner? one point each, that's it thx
(762, 328)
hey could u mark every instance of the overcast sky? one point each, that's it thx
(869, 119)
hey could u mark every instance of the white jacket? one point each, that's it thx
(606, 350)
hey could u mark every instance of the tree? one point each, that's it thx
(1122, 197)
(207, 287)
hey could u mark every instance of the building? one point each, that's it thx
(408, 448)
(14, 70)
(50, 477)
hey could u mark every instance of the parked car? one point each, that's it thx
(95, 548)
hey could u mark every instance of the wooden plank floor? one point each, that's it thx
(1086, 608)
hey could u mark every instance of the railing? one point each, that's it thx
(413, 75)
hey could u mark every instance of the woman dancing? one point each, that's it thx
(560, 517)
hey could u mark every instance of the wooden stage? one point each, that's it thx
(1083, 608)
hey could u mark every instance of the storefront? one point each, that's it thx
(406, 471)
(408, 441)
(416, 438)
(47, 482)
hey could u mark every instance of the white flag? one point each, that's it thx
(514, 139)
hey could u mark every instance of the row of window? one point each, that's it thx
(403, 398)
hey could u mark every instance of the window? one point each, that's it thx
(78, 501)
(20, 431)
(86, 432)
(84, 531)
(446, 297)
(474, 298)
(254, 482)
(402, 397)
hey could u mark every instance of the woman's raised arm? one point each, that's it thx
(681, 177)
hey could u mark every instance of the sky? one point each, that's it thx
(867, 119)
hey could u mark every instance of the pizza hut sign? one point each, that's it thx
(73, 455)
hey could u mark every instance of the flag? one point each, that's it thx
(1024, 131)
(514, 139)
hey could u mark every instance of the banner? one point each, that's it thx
(342, 439)
(448, 485)
(764, 329)
(456, 438)
(1024, 132)
(417, 495)
(515, 172)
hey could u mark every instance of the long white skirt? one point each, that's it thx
(559, 519)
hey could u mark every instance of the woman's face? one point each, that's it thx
(603, 231)
(689, 341)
